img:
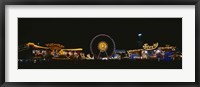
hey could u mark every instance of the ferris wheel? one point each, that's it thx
(102, 45)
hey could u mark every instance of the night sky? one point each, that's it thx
(78, 32)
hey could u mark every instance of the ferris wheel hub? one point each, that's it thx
(103, 46)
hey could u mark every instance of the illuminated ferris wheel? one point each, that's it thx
(102, 45)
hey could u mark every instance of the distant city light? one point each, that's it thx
(158, 51)
(139, 34)
(145, 51)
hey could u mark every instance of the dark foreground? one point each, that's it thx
(100, 64)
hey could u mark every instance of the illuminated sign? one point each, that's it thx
(147, 47)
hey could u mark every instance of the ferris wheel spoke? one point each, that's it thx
(99, 54)
(106, 54)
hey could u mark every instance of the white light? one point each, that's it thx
(158, 51)
(139, 35)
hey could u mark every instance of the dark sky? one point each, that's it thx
(78, 32)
